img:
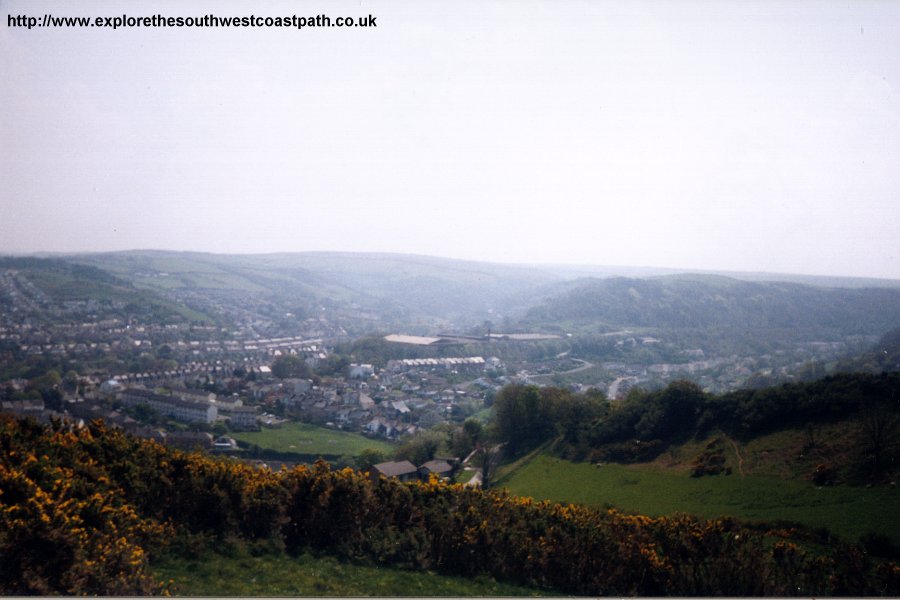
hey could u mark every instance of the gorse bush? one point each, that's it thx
(82, 511)
(65, 526)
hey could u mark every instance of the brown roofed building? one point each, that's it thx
(441, 468)
(402, 470)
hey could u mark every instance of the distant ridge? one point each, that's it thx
(371, 292)
(564, 271)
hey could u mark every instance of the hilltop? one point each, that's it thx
(391, 289)
(706, 301)
(48, 290)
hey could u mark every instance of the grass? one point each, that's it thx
(847, 511)
(465, 475)
(213, 574)
(304, 438)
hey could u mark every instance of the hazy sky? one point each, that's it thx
(760, 136)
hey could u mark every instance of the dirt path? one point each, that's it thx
(739, 457)
(583, 367)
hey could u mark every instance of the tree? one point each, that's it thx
(334, 364)
(70, 380)
(146, 414)
(465, 438)
(880, 429)
(369, 457)
(490, 460)
(421, 448)
(289, 366)
(48, 386)
(522, 416)
(473, 429)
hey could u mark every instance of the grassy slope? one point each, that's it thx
(61, 283)
(281, 575)
(310, 439)
(847, 511)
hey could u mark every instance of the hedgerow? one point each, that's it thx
(84, 510)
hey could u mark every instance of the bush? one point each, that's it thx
(81, 513)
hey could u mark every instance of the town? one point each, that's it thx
(211, 365)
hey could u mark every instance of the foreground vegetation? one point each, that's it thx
(86, 511)
(237, 572)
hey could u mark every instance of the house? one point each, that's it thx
(366, 402)
(441, 468)
(400, 406)
(190, 440)
(301, 386)
(244, 417)
(110, 387)
(176, 408)
(225, 443)
(363, 371)
(24, 408)
(402, 470)
(149, 433)
(191, 395)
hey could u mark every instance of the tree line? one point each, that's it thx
(646, 423)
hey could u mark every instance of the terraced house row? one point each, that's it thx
(189, 411)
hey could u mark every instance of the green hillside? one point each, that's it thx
(704, 302)
(63, 281)
(850, 423)
(394, 287)
(850, 512)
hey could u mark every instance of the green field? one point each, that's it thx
(280, 575)
(847, 511)
(303, 438)
(484, 415)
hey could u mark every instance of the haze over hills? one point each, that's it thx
(421, 294)
(702, 301)
(374, 290)
(717, 329)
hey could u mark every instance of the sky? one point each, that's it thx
(744, 136)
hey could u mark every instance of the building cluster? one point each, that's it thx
(463, 363)
(189, 406)
(406, 471)
(87, 411)
(400, 400)
(33, 324)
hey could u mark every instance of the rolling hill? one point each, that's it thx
(46, 289)
(704, 301)
(364, 293)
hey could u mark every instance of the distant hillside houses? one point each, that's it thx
(406, 364)
(363, 371)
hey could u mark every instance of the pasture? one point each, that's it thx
(846, 511)
(303, 438)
